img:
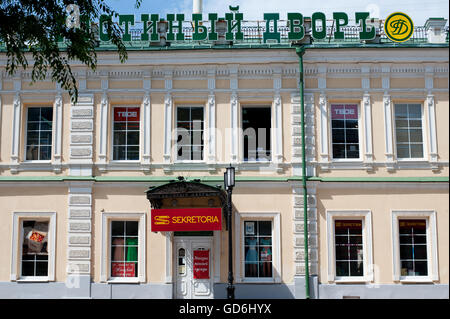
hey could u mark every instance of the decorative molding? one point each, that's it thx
(79, 234)
(298, 230)
(167, 128)
(432, 134)
(389, 152)
(17, 111)
(368, 150)
(146, 128)
(234, 103)
(278, 121)
(324, 160)
(57, 136)
(211, 130)
(82, 134)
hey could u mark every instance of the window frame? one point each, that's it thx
(424, 136)
(17, 242)
(175, 134)
(105, 261)
(360, 137)
(366, 217)
(432, 251)
(27, 107)
(242, 217)
(113, 106)
(271, 133)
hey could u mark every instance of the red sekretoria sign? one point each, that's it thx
(186, 219)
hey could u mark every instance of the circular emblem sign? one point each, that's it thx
(398, 27)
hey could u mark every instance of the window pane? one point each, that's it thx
(46, 114)
(132, 153)
(45, 138)
(342, 268)
(338, 150)
(256, 125)
(338, 136)
(406, 251)
(416, 150)
(402, 135)
(118, 228)
(352, 136)
(351, 124)
(119, 153)
(124, 248)
(421, 268)
(337, 124)
(416, 135)
(401, 111)
(34, 248)
(132, 228)
(46, 153)
(356, 268)
(402, 151)
(352, 151)
(34, 114)
(265, 269)
(415, 111)
(183, 114)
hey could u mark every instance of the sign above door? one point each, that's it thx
(186, 219)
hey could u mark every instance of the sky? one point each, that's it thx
(418, 10)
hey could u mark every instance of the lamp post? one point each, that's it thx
(229, 184)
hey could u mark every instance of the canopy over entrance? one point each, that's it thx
(181, 188)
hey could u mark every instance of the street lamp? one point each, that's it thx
(229, 184)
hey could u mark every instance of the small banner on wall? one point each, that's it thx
(186, 219)
(201, 264)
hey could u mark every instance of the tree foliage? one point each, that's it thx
(31, 32)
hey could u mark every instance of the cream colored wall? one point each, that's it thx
(381, 201)
(33, 199)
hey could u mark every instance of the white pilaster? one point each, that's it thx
(432, 145)
(389, 151)
(17, 110)
(57, 139)
(368, 150)
(324, 153)
(146, 125)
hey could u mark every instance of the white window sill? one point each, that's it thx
(258, 280)
(412, 280)
(33, 279)
(134, 280)
(352, 280)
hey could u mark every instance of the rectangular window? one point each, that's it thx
(349, 248)
(408, 130)
(190, 126)
(345, 131)
(39, 133)
(413, 247)
(258, 248)
(256, 126)
(124, 248)
(126, 133)
(34, 248)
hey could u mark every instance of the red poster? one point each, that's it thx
(123, 270)
(126, 114)
(344, 111)
(186, 219)
(201, 264)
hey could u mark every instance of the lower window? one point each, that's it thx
(258, 249)
(124, 248)
(349, 248)
(34, 248)
(413, 247)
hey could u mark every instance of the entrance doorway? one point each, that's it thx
(193, 262)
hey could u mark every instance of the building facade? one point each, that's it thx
(80, 183)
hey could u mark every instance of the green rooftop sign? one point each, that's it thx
(229, 28)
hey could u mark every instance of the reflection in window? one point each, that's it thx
(344, 127)
(349, 248)
(34, 248)
(408, 130)
(124, 248)
(190, 128)
(256, 126)
(126, 133)
(258, 248)
(39, 133)
(413, 247)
